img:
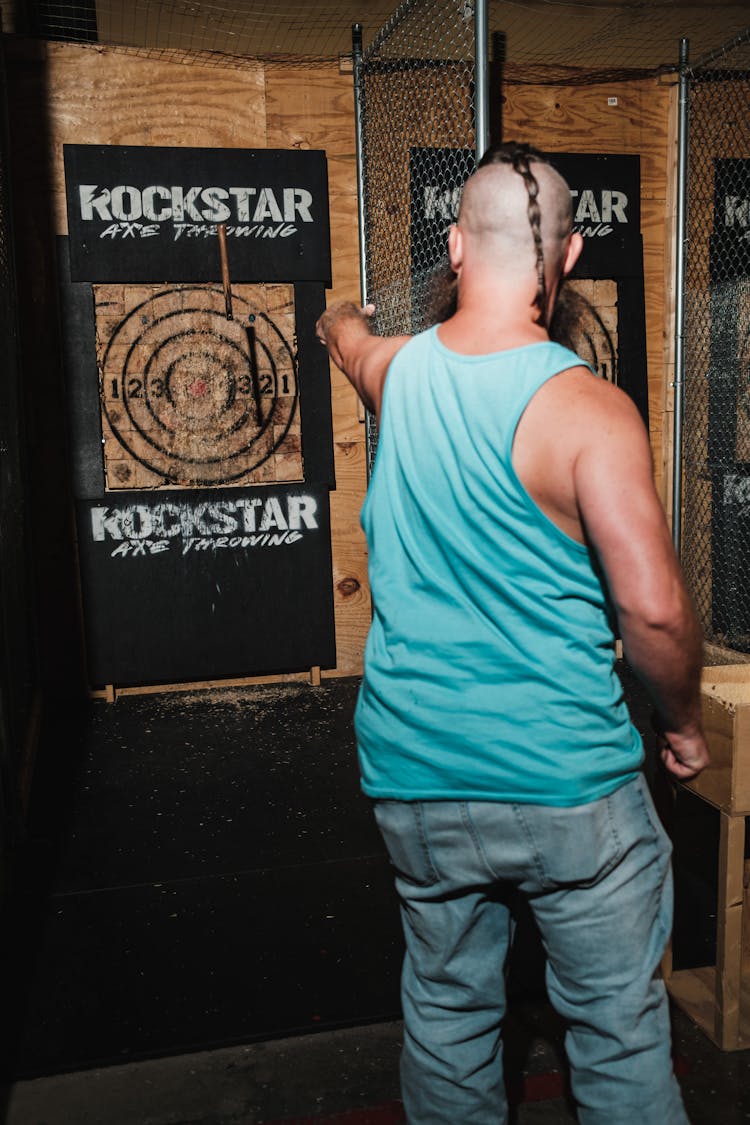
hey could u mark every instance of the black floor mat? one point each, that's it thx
(129, 972)
(202, 869)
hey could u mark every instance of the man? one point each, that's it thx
(512, 521)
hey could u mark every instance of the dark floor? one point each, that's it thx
(204, 930)
(202, 871)
(345, 1077)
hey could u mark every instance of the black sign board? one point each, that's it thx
(730, 244)
(606, 192)
(200, 584)
(196, 563)
(436, 179)
(150, 214)
(730, 555)
(606, 207)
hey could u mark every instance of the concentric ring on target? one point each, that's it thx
(197, 401)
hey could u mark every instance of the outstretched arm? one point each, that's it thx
(345, 330)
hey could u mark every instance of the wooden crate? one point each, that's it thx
(718, 998)
(726, 714)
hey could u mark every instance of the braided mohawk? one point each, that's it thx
(520, 155)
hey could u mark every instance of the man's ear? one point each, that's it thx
(573, 253)
(455, 247)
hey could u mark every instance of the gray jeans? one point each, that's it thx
(598, 880)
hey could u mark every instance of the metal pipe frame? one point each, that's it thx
(679, 319)
(359, 148)
(481, 78)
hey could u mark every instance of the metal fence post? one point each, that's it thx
(679, 354)
(357, 67)
(371, 426)
(481, 77)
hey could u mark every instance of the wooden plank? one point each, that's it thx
(741, 771)
(9, 16)
(347, 426)
(715, 783)
(232, 443)
(342, 173)
(344, 248)
(310, 107)
(694, 990)
(667, 961)
(350, 584)
(729, 929)
(318, 112)
(653, 230)
(101, 95)
(726, 712)
(714, 676)
(201, 685)
(579, 119)
(743, 1041)
(716, 655)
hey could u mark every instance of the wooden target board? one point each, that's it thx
(191, 398)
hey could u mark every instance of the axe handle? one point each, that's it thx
(221, 231)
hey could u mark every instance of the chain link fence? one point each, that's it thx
(716, 411)
(413, 163)
(563, 34)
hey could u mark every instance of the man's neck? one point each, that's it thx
(495, 313)
(481, 332)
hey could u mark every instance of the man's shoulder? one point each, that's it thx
(585, 411)
(405, 351)
(423, 338)
(582, 389)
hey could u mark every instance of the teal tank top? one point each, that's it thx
(489, 665)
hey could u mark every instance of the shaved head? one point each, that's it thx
(496, 221)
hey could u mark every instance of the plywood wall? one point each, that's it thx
(314, 108)
(66, 93)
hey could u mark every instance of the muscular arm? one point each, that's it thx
(623, 519)
(344, 329)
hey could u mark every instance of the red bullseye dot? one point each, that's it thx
(198, 388)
